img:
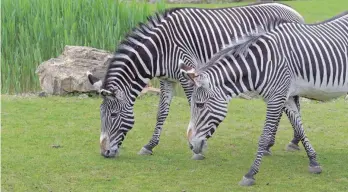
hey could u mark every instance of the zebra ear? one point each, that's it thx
(202, 81)
(189, 72)
(107, 93)
(97, 83)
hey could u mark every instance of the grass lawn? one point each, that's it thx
(311, 10)
(31, 126)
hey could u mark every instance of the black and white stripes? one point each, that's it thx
(154, 49)
(293, 60)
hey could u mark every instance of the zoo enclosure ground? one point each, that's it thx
(52, 144)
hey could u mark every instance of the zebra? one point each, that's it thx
(154, 49)
(293, 60)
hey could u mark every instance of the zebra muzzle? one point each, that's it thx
(198, 146)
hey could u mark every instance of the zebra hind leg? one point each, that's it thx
(291, 109)
(274, 111)
(166, 95)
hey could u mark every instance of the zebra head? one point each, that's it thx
(208, 109)
(116, 117)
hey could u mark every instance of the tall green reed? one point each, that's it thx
(36, 30)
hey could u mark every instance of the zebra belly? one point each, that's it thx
(315, 92)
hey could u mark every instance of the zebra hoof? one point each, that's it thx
(144, 151)
(198, 157)
(247, 181)
(292, 147)
(315, 169)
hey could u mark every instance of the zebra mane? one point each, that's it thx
(142, 27)
(236, 47)
(240, 47)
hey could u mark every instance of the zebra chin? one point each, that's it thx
(109, 153)
(198, 145)
(105, 149)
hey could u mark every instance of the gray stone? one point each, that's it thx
(67, 72)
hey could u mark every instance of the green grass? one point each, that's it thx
(30, 126)
(34, 31)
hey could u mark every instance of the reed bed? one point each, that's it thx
(34, 31)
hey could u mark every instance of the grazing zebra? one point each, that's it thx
(293, 60)
(191, 35)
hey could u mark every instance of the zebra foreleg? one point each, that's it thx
(166, 96)
(274, 111)
(188, 89)
(293, 145)
(291, 110)
(268, 151)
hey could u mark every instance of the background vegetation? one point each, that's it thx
(35, 30)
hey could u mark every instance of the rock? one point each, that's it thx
(67, 72)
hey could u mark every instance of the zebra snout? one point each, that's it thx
(105, 149)
(191, 146)
(105, 153)
(109, 153)
(197, 146)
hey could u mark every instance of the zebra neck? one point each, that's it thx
(239, 75)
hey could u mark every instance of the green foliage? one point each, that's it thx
(52, 144)
(36, 30)
(33, 31)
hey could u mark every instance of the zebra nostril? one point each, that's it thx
(107, 152)
(191, 146)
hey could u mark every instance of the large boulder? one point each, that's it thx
(67, 72)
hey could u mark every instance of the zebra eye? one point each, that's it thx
(200, 105)
(113, 114)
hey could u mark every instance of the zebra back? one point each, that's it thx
(191, 34)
